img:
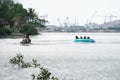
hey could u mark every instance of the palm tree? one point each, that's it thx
(17, 15)
(31, 15)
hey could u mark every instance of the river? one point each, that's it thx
(64, 58)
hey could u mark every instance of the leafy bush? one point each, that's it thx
(29, 29)
(26, 65)
(18, 60)
(2, 32)
(5, 30)
(34, 63)
(44, 74)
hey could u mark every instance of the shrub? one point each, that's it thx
(43, 75)
(29, 29)
(5, 30)
(17, 60)
(25, 65)
(34, 63)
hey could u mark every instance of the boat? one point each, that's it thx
(23, 43)
(26, 41)
(84, 40)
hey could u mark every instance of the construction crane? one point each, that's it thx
(109, 18)
(66, 22)
(59, 22)
(88, 23)
(91, 18)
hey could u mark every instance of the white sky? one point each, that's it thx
(77, 11)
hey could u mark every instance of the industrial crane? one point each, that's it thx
(88, 23)
(109, 18)
(59, 22)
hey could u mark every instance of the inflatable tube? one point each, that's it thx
(84, 40)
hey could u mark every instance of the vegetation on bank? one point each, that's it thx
(14, 18)
(44, 73)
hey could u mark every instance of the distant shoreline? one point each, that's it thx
(80, 32)
(20, 35)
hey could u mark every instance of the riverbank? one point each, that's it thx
(12, 35)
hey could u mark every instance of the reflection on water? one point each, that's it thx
(66, 59)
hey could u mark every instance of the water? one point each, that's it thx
(66, 59)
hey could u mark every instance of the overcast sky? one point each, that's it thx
(76, 11)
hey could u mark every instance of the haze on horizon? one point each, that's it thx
(75, 11)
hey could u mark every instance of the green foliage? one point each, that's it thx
(35, 63)
(4, 7)
(17, 17)
(44, 74)
(15, 30)
(33, 76)
(29, 28)
(6, 30)
(32, 15)
(26, 65)
(18, 60)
